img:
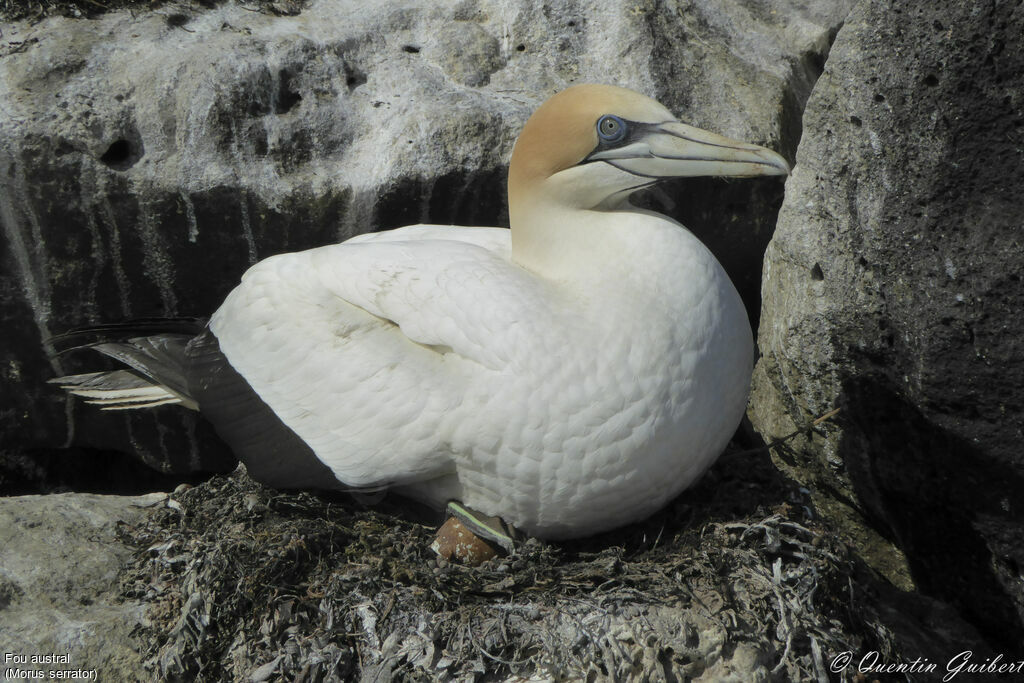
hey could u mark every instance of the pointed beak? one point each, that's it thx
(673, 150)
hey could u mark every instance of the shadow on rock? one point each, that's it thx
(935, 494)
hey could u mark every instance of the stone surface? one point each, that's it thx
(147, 158)
(892, 289)
(60, 562)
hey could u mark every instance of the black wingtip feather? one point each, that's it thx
(89, 336)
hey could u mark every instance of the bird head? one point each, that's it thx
(591, 146)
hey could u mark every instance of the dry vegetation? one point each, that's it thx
(243, 581)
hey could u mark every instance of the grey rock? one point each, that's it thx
(892, 291)
(60, 560)
(146, 163)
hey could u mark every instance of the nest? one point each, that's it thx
(245, 582)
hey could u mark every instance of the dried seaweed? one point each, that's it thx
(245, 582)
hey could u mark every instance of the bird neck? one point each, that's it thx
(552, 240)
(571, 244)
(566, 225)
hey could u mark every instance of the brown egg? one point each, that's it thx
(456, 543)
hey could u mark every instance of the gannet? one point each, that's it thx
(567, 376)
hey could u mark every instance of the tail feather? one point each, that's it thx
(124, 405)
(85, 337)
(155, 352)
(158, 358)
(118, 390)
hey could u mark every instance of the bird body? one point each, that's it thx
(570, 375)
(564, 405)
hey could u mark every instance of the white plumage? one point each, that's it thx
(569, 376)
(425, 359)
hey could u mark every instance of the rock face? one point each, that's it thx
(60, 562)
(146, 160)
(892, 289)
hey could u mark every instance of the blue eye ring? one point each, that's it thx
(611, 128)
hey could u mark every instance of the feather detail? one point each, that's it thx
(118, 390)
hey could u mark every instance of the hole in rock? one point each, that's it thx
(178, 20)
(120, 155)
(411, 49)
(1012, 566)
(816, 273)
(288, 101)
(520, 48)
(931, 80)
(354, 76)
(287, 97)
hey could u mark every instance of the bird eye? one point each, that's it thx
(611, 128)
